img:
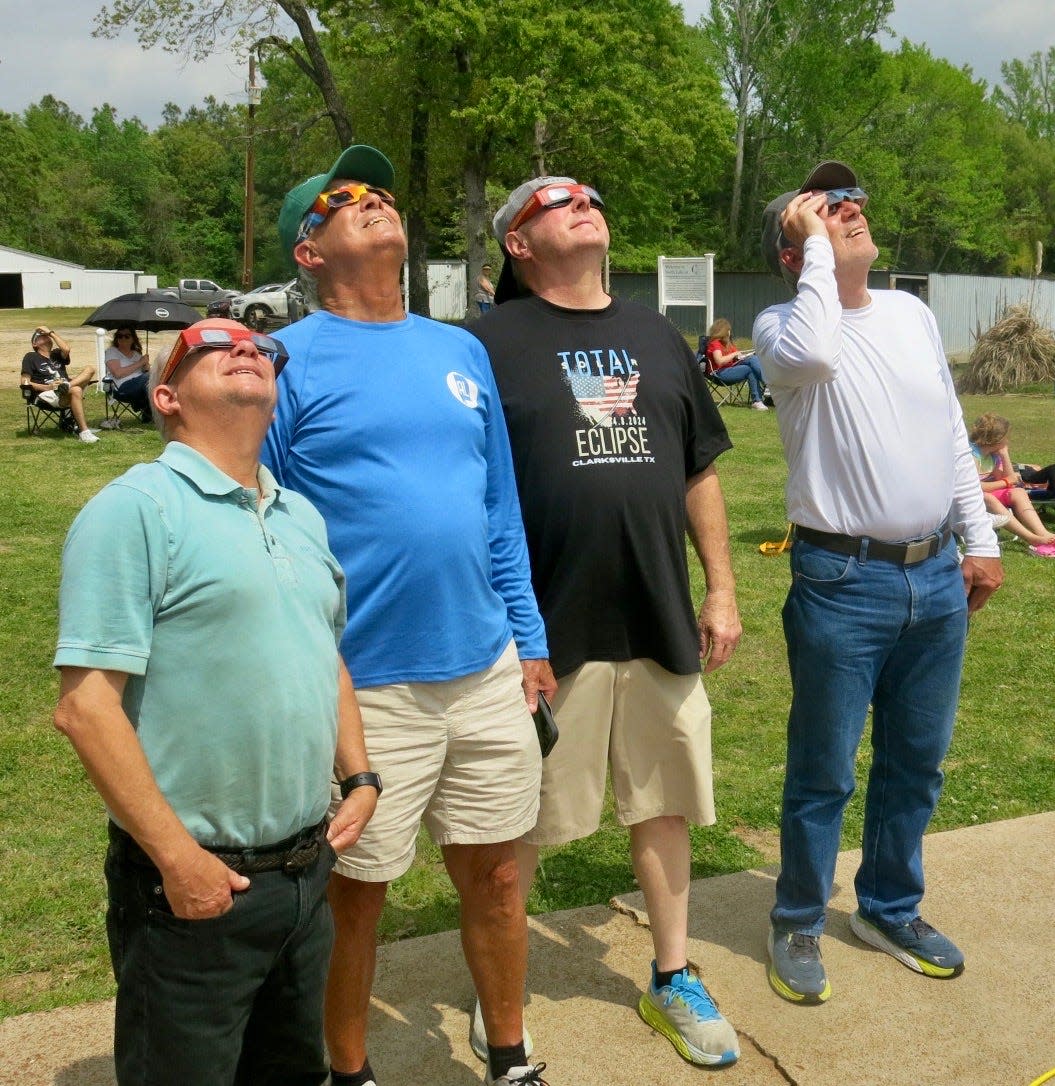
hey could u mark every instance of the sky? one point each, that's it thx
(52, 52)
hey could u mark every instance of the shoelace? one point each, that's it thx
(532, 1077)
(693, 994)
(803, 948)
(921, 929)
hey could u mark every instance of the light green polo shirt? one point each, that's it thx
(225, 613)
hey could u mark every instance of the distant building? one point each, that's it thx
(29, 281)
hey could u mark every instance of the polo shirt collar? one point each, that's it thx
(208, 478)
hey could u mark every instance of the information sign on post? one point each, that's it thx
(687, 280)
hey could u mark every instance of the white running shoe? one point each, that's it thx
(758, 405)
(87, 437)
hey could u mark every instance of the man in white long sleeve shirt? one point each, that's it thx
(880, 480)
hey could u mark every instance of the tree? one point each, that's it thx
(195, 26)
(1028, 94)
(798, 75)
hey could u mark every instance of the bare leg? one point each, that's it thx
(74, 400)
(659, 850)
(494, 933)
(527, 864)
(1029, 519)
(84, 378)
(356, 910)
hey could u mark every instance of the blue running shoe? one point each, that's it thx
(686, 1015)
(915, 944)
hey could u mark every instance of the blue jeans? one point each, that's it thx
(859, 632)
(748, 369)
(231, 1001)
(134, 392)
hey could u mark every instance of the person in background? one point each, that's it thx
(1002, 484)
(485, 291)
(880, 484)
(204, 694)
(130, 370)
(726, 363)
(45, 371)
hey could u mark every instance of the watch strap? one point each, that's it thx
(358, 780)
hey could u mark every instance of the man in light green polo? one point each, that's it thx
(203, 691)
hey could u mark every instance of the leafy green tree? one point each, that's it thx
(799, 75)
(1028, 94)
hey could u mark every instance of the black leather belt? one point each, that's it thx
(291, 855)
(863, 547)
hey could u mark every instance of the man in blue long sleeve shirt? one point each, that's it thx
(391, 424)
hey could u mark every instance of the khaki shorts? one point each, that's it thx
(460, 755)
(651, 726)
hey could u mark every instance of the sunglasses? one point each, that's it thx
(123, 335)
(838, 196)
(551, 197)
(336, 198)
(193, 339)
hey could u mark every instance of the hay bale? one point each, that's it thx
(1016, 351)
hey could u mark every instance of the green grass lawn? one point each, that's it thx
(52, 945)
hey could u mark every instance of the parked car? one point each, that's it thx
(193, 292)
(266, 305)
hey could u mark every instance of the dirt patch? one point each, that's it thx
(765, 842)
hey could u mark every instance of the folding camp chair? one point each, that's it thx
(115, 408)
(39, 412)
(734, 393)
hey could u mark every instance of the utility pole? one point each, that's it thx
(247, 246)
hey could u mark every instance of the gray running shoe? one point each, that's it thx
(916, 944)
(796, 972)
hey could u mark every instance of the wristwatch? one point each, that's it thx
(357, 780)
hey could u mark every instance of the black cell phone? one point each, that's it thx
(545, 725)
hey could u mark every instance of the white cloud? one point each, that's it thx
(54, 53)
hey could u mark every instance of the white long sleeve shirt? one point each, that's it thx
(873, 433)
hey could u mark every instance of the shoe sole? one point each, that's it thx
(804, 999)
(870, 934)
(652, 1017)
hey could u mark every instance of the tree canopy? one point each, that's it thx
(688, 131)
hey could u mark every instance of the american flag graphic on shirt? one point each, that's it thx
(602, 398)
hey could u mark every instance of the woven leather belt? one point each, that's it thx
(292, 855)
(901, 554)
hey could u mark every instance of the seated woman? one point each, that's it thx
(129, 368)
(1002, 485)
(727, 364)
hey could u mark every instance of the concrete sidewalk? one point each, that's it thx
(990, 888)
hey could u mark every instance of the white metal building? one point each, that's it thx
(29, 281)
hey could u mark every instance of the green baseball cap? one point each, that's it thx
(356, 163)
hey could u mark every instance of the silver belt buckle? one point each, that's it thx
(919, 550)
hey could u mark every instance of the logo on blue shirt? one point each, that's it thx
(463, 389)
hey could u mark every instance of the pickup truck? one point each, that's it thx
(192, 292)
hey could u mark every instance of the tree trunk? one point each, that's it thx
(320, 73)
(477, 222)
(417, 202)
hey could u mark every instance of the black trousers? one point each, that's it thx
(231, 1001)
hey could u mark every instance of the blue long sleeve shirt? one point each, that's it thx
(395, 433)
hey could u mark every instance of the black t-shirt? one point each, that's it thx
(608, 417)
(41, 370)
